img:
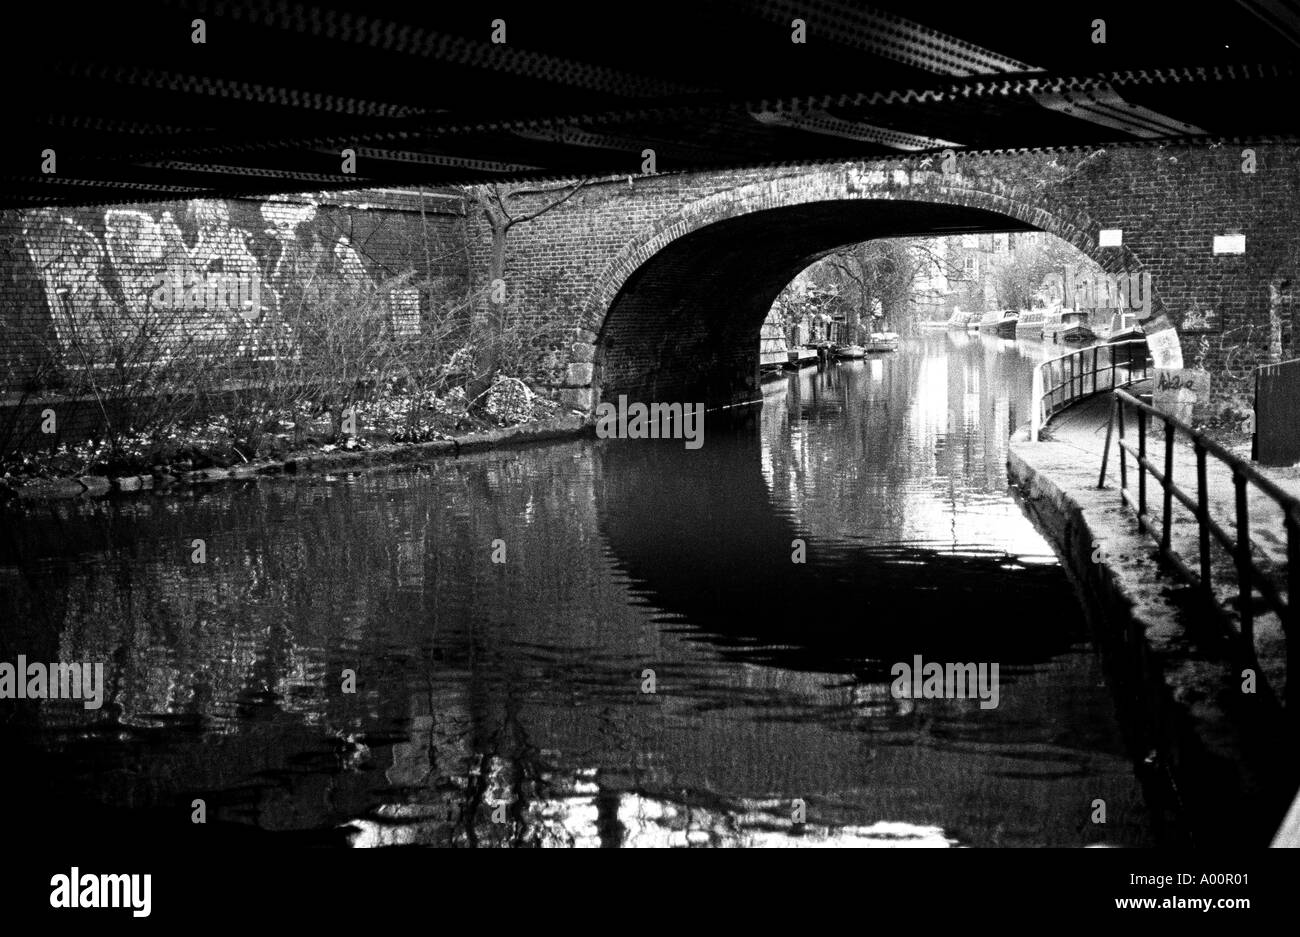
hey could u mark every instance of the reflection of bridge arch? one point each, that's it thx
(700, 536)
(678, 310)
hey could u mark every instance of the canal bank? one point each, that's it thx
(329, 459)
(1215, 761)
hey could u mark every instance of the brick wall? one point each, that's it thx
(657, 286)
(650, 284)
(75, 282)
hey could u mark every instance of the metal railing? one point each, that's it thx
(1251, 576)
(1061, 381)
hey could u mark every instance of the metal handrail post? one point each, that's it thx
(1105, 450)
(1036, 404)
(1203, 517)
(1123, 453)
(1169, 486)
(1141, 465)
(1243, 558)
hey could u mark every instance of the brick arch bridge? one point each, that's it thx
(664, 280)
(678, 311)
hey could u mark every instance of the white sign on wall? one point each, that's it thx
(1230, 243)
(1166, 350)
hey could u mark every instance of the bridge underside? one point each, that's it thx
(685, 326)
(202, 98)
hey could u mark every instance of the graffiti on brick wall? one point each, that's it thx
(1240, 356)
(1200, 319)
(130, 276)
(1235, 370)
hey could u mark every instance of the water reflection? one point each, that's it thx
(586, 820)
(504, 704)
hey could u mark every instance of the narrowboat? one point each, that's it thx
(1132, 334)
(1124, 327)
(848, 351)
(882, 341)
(1068, 326)
(1001, 321)
(1030, 324)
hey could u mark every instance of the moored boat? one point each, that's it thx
(1075, 329)
(1124, 328)
(1134, 355)
(1030, 323)
(848, 351)
(1001, 321)
(1131, 334)
(882, 341)
(1068, 326)
(1052, 324)
(802, 357)
(822, 350)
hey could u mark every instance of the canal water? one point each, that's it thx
(648, 666)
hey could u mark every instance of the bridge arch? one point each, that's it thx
(678, 310)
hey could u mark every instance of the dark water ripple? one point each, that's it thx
(520, 685)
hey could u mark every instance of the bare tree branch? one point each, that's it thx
(545, 208)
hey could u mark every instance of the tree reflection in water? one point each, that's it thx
(514, 689)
